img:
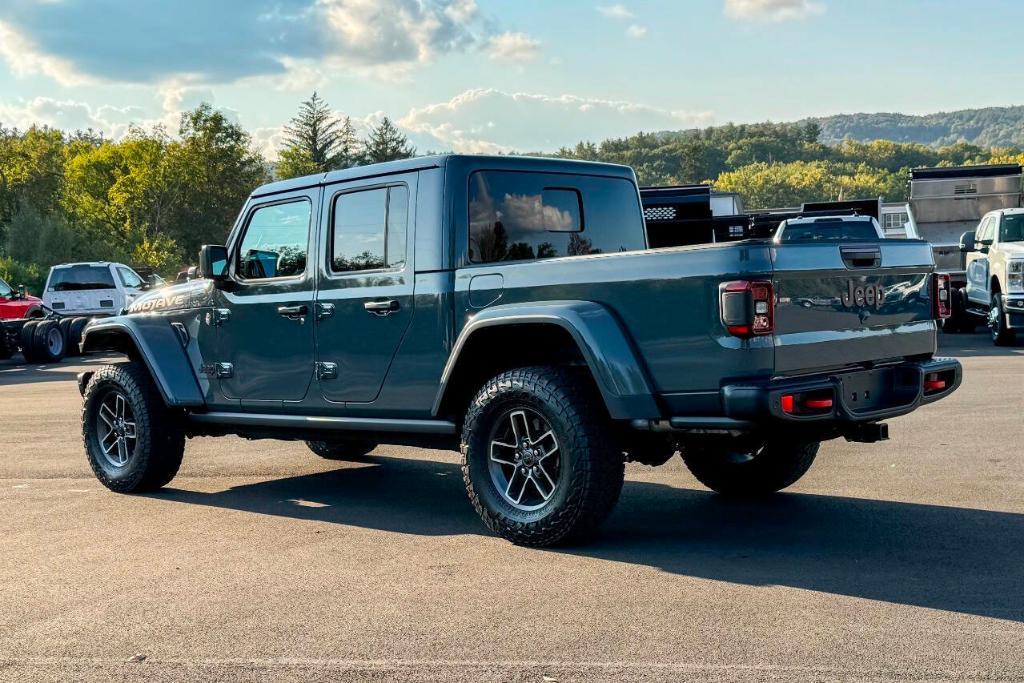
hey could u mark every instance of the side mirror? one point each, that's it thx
(22, 292)
(967, 242)
(213, 262)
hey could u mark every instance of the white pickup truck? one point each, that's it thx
(91, 289)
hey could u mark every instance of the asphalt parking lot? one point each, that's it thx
(902, 560)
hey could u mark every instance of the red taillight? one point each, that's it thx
(933, 382)
(941, 295)
(818, 403)
(748, 308)
(814, 402)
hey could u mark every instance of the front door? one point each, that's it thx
(365, 299)
(265, 314)
(977, 263)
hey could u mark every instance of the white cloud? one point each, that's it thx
(489, 121)
(70, 115)
(772, 10)
(636, 31)
(513, 47)
(266, 38)
(26, 60)
(615, 12)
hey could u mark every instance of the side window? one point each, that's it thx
(129, 278)
(276, 241)
(985, 231)
(370, 228)
(515, 216)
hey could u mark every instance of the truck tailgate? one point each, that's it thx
(845, 303)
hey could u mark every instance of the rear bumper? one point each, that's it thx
(858, 396)
(855, 399)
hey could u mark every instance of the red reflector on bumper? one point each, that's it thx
(787, 403)
(934, 384)
(818, 403)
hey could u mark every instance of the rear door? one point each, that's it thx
(364, 301)
(840, 304)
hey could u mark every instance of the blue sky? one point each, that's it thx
(490, 75)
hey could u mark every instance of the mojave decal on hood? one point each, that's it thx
(192, 294)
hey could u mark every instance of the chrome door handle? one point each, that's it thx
(382, 307)
(293, 312)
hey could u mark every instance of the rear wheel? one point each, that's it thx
(749, 468)
(75, 335)
(1001, 334)
(341, 450)
(539, 459)
(133, 441)
(26, 340)
(48, 341)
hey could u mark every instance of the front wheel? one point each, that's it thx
(1001, 334)
(540, 462)
(133, 441)
(748, 469)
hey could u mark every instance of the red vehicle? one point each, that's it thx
(26, 325)
(16, 304)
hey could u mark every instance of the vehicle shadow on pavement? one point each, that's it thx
(953, 559)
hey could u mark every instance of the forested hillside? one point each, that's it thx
(990, 127)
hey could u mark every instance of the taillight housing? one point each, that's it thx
(748, 308)
(941, 296)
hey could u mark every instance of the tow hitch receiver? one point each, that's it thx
(868, 433)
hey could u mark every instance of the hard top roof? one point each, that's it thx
(522, 163)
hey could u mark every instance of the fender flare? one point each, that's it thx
(617, 368)
(153, 338)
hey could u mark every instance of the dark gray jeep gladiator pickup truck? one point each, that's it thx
(510, 307)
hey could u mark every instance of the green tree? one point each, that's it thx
(386, 143)
(316, 140)
(213, 168)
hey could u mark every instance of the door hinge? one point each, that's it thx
(218, 370)
(324, 311)
(218, 316)
(327, 371)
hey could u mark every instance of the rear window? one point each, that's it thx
(517, 216)
(81, 277)
(859, 231)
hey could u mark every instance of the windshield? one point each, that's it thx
(5, 289)
(1012, 229)
(861, 231)
(81, 277)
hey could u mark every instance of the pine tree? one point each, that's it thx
(316, 140)
(386, 143)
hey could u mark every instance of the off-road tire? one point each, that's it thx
(42, 352)
(341, 450)
(1001, 334)
(777, 464)
(160, 437)
(26, 339)
(75, 335)
(591, 463)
